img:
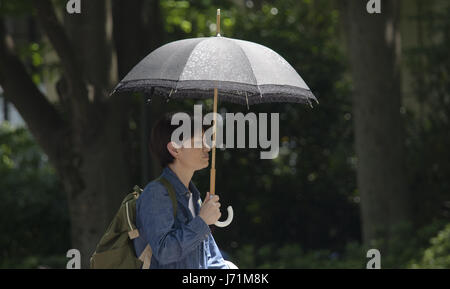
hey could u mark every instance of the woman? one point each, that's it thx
(184, 241)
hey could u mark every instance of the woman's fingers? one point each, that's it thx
(212, 198)
(207, 198)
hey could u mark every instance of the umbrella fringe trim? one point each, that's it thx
(229, 91)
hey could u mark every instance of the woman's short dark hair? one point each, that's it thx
(161, 135)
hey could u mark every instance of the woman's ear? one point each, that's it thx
(172, 149)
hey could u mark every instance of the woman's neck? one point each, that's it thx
(183, 173)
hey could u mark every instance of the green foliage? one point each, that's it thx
(437, 256)
(292, 256)
(15, 7)
(32, 53)
(36, 262)
(403, 246)
(427, 117)
(33, 206)
(185, 19)
(402, 253)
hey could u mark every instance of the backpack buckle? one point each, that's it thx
(133, 234)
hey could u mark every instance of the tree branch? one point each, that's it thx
(46, 17)
(39, 114)
(91, 36)
(77, 88)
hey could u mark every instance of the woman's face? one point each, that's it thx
(194, 158)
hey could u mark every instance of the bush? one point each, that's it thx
(400, 254)
(292, 256)
(437, 256)
(33, 207)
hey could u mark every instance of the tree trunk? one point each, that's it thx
(375, 53)
(103, 173)
(89, 142)
(103, 181)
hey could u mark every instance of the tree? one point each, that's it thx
(374, 52)
(86, 132)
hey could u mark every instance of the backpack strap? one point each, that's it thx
(133, 232)
(171, 191)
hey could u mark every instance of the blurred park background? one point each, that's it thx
(366, 168)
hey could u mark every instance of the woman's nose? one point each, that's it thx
(206, 148)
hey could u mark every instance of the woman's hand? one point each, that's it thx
(209, 211)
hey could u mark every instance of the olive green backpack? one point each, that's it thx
(115, 249)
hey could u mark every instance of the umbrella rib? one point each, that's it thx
(246, 99)
(187, 60)
(248, 60)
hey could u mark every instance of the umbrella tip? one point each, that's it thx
(218, 23)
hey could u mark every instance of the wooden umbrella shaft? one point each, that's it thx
(212, 188)
(212, 181)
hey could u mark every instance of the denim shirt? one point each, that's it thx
(184, 242)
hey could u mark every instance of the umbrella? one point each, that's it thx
(244, 72)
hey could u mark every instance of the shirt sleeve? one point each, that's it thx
(156, 220)
(215, 259)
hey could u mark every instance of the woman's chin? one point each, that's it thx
(202, 165)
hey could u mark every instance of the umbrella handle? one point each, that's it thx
(213, 169)
(228, 220)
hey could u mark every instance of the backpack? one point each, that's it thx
(116, 249)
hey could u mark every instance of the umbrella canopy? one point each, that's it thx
(244, 72)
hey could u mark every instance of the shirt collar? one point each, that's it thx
(179, 187)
